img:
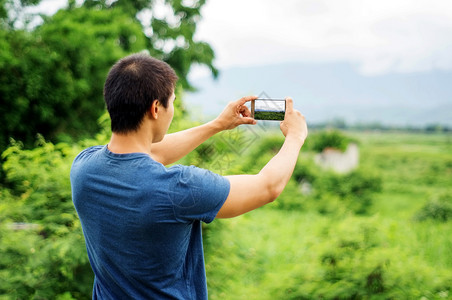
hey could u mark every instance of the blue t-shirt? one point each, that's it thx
(142, 223)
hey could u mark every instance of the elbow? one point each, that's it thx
(274, 190)
(271, 188)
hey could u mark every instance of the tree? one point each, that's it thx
(51, 76)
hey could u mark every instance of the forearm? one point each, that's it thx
(279, 169)
(249, 192)
(176, 145)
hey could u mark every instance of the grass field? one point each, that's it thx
(384, 254)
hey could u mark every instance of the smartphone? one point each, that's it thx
(268, 109)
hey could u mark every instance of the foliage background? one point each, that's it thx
(52, 75)
(381, 231)
(328, 245)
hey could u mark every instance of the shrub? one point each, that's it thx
(328, 139)
(438, 209)
(330, 192)
(352, 192)
(352, 262)
(45, 259)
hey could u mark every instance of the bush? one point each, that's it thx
(352, 263)
(333, 193)
(310, 256)
(355, 189)
(41, 241)
(438, 209)
(328, 139)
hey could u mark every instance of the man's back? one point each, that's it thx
(141, 223)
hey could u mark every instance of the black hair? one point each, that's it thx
(131, 87)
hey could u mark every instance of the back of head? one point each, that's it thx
(132, 84)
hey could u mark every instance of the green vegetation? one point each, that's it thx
(382, 231)
(52, 75)
(47, 260)
(269, 115)
(329, 139)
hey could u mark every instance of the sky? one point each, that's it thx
(377, 37)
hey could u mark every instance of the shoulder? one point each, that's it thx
(197, 194)
(84, 159)
(88, 152)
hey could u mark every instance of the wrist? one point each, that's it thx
(216, 126)
(296, 138)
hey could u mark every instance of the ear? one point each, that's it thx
(154, 110)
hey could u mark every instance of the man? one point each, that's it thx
(142, 220)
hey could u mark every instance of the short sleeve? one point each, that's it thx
(197, 194)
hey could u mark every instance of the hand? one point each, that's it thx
(236, 113)
(294, 123)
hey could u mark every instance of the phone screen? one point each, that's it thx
(268, 109)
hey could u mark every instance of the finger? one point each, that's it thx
(289, 104)
(245, 112)
(243, 100)
(246, 120)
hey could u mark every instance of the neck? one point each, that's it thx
(137, 141)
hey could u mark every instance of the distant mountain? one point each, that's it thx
(324, 92)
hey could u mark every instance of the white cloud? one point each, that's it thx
(377, 36)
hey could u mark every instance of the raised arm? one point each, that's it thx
(176, 145)
(249, 192)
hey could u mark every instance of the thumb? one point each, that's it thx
(289, 104)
